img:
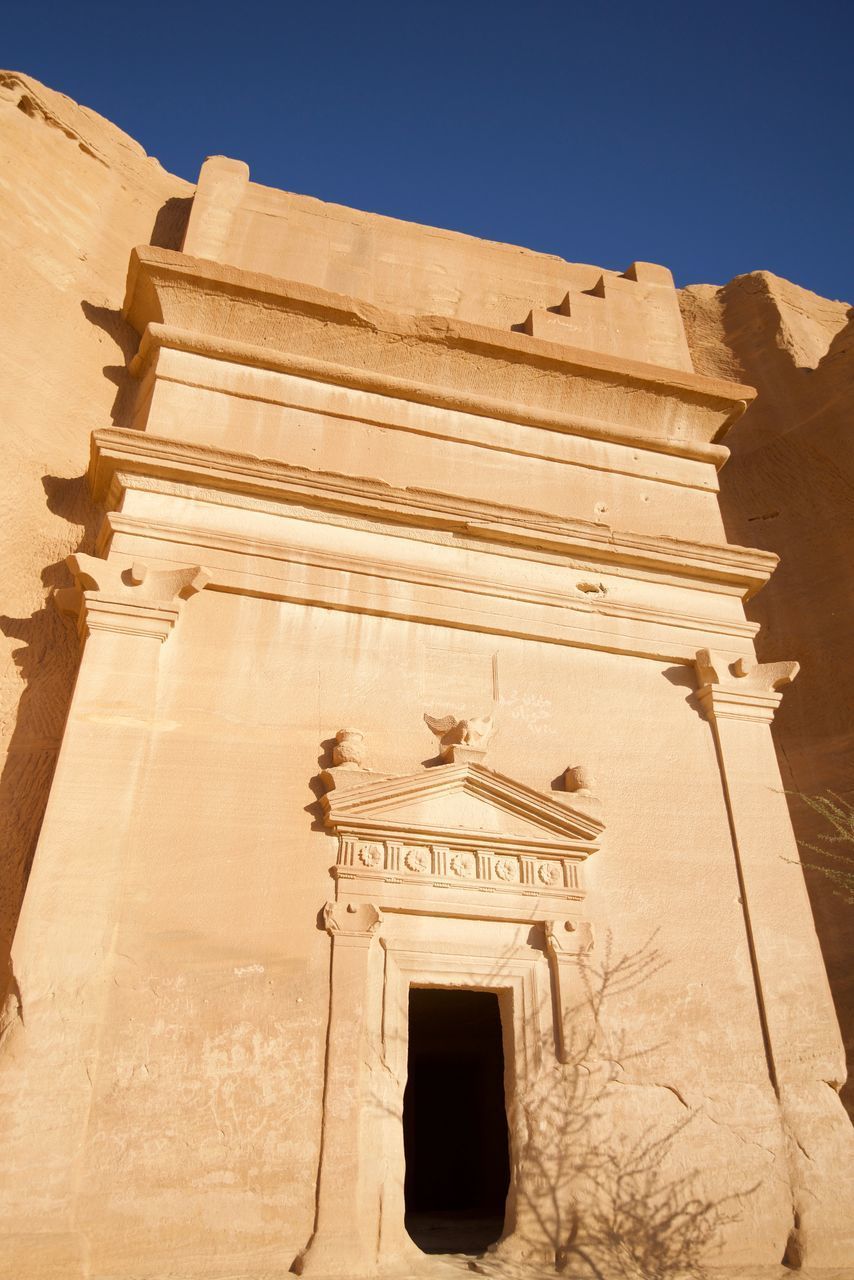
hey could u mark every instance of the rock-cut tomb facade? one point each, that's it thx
(417, 872)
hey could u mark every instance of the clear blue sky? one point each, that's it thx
(716, 138)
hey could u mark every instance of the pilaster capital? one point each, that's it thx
(135, 599)
(743, 689)
(569, 939)
(352, 920)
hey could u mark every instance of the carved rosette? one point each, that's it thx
(132, 599)
(463, 864)
(398, 844)
(440, 862)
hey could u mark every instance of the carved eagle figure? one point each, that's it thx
(472, 733)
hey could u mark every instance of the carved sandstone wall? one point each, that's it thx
(75, 195)
(789, 488)
(204, 894)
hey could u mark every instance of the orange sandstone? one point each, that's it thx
(417, 808)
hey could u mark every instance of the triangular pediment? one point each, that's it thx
(460, 802)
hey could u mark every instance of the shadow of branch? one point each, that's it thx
(600, 1203)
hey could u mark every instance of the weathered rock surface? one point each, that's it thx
(789, 488)
(75, 195)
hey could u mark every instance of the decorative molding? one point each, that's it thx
(359, 584)
(302, 566)
(135, 599)
(459, 840)
(277, 391)
(128, 456)
(351, 920)
(519, 971)
(205, 307)
(743, 689)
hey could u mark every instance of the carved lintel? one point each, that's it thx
(566, 942)
(742, 689)
(136, 599)
(353, 920)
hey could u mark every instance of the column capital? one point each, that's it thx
(352, 920)
(569, 938)
(743, 689)
(109, 595)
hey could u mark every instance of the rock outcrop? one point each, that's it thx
(75, 195)
(789, 488)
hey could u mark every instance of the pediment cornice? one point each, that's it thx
(457, 840)
(531, 820)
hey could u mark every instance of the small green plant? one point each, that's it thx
(837, 844)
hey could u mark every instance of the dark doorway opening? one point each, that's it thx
(455, 1121)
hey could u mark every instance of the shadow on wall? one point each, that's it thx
(788, 488)
(48, 664)
(608, 1204)
(113, 323)
(48, 659)
(591, 1202)
(170, 225)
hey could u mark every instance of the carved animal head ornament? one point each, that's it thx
(469, 733)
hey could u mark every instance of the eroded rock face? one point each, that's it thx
(75, 195)
(789, 488)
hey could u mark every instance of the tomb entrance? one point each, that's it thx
(455, 1131)
(457, 934)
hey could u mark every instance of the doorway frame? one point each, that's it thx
(519, 976)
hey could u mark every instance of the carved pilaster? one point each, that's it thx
(134, 599)
(804, 1053)
(566, 942)
(342, 1242)
(740, 699)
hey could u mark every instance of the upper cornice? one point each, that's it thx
(247, 318)
(117, 455)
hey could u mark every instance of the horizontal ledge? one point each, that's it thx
(172, 338)
(487, 904)
(156, 272)
(135, 453)
(199, 542)
(346, 584)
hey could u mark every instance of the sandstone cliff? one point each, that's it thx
(789, 488)
(76, 194)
